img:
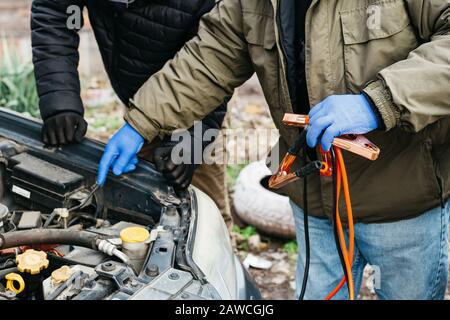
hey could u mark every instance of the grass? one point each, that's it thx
(291, 247)
(246, 233)
(233, 173)
(17, 83)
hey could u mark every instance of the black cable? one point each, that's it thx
(91, 193)
(333, 218)
(306, 230)
(93, 190)
(10, 262)
(64, 260)
(50, 219)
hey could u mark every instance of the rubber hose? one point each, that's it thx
(48, 236)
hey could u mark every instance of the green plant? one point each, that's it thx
(233, 173)
(246, 232)
(291, 247)
(17, 83)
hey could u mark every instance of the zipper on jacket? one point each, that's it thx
(307, 56)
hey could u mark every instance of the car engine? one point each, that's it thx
(63, 238)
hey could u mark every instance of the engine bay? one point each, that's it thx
(63, 238)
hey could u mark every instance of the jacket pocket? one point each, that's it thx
(375, 37)
(401, 184)
(434, 183)
(259, 30)
(259, 33)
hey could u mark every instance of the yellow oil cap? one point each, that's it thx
(61, 275)
(134, 234)
(11, 279)
(32, 261)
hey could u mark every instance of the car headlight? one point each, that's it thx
(211, 246)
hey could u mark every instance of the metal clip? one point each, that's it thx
(355, 143)
(283, 178)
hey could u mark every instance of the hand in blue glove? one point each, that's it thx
(338, 115)
(120, 153)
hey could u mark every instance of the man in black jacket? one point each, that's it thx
(136, 38)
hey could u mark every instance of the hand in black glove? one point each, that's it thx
(64, 128)
(180, 176)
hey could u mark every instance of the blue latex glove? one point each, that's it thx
(120, 153)
(338, 115)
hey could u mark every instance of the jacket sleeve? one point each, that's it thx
(198, 79)
(213, 120)
(414, 92)
(55, 56)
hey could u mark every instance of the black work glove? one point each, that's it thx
(64, 128)
(178, 175)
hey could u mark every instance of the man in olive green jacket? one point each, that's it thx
(380, 67)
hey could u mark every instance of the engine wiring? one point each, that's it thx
(94, 189)
(83, 203)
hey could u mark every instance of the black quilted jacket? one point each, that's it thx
(134, 44)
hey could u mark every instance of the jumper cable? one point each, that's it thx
(332, 164)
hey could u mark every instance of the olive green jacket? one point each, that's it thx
(396, 51)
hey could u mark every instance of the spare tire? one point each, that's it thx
(267, 211)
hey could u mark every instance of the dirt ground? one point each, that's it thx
(104, 115)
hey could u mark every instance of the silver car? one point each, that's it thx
(62, 237)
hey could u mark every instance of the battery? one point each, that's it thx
(36, 182)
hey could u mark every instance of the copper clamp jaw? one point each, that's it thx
(357, 144)
(354, 143)
(284, 175)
